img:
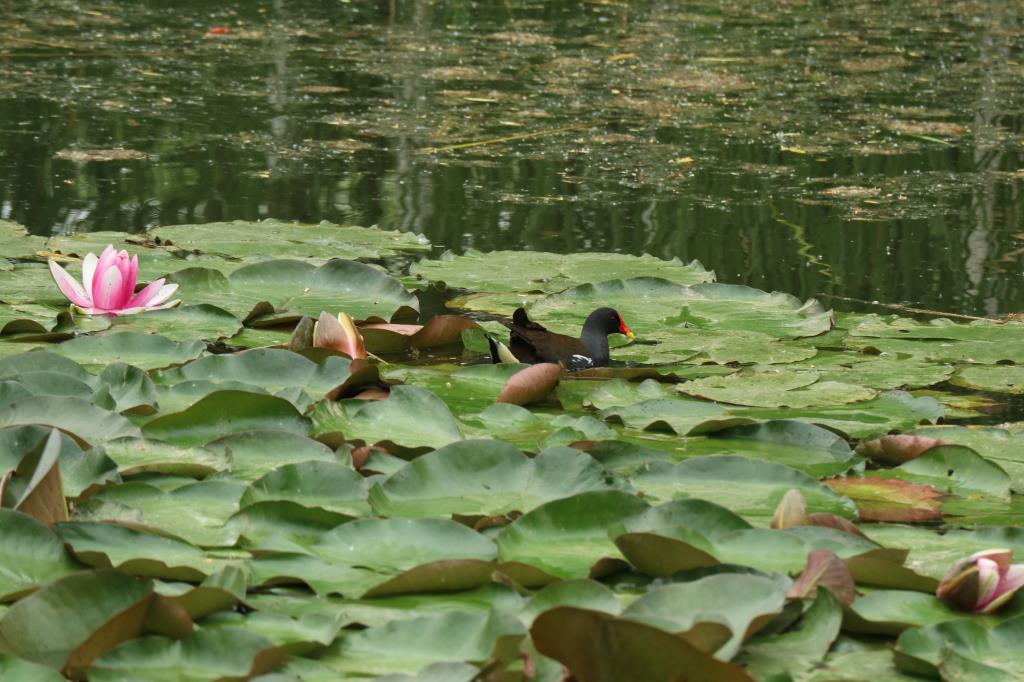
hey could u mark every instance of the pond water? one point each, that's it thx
(867, 150)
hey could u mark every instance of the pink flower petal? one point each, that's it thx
(106, 262)
(148, 293)
(133, 276)
(68, 286)
(88, 270)
(988, 581)
(1013, 579)
(165, 293)
(108, 292)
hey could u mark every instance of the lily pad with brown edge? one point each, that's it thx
(194, 512)
(743, 603)
(566, 538)
(222, 413)
(70, 622)
(584, 641)
(392, 556)
(286, 290)
(207, 653)
(135, 552)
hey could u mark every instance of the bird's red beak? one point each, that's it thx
(623, 329)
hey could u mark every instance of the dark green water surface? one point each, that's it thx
(870, 150)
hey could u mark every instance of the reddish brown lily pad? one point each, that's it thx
(897, 449)
(890, 500)
(530, 385)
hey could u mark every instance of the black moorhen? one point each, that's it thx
(531, 343)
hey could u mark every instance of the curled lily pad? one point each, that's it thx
(577, 526)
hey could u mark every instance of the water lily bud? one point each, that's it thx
(982, 582)
(791, 512)
(340, 334)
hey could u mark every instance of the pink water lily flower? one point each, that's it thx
(982, 582)
(108, 286)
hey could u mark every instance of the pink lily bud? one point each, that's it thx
(982, 582)
(108, 286)
(340, 334)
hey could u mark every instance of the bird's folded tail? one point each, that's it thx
(499, 351)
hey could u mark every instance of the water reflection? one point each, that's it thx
(868, 151)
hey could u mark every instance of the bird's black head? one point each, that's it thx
(606, 321)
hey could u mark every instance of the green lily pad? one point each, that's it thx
(138, 455)
(183, 323)
(410, 417)
(681, 416)
(999, 379)
(32, 555)
(297, 288)
(484, 478)
(941, 340)
(1003, 446)
(890, 612)
(194, 512)
(280, 239)
(254, 453)
(509, 272)
(891, 411)
(776, 388)
(80, 418)
(956, 469)
(996, 651)
(147, 351)
(16, 242)
(318, 484)
(751, 488)
(799, 649)
(274, 370)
